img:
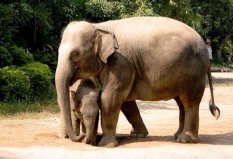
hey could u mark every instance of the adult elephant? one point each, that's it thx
(145, 58)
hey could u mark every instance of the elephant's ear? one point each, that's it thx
(106, 44)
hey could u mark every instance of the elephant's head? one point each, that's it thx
(83, 52)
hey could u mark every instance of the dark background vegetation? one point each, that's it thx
(30, 32)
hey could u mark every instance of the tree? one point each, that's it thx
(101, 10)
(30, 30)
(217, 22)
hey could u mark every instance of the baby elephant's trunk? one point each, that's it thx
(91, 130)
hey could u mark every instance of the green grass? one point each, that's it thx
(11, 108)
(45, 103)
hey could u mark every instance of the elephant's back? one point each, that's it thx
(167, 43)
(146, 32)
(165, 39)
(142, 25)
(141, 33)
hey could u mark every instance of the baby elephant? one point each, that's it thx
(85, 106)
(84, 95)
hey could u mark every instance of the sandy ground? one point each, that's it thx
(35, 136)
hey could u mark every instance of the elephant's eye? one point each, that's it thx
(74, 56)
(76, 53)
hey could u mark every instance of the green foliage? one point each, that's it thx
(5, 57)
(101, 10)
(15, 107)
(47, 56)
(218, 20)
(40, 78)
(227, 51)
(32, 81)
(144, 10)
(130, 8)
(7, 30)
(30, 31)
(15, 84)
(20, 55)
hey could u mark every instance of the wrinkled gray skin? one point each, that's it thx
(145, 58)
(84, 96)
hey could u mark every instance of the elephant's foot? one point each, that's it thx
(187, 137)
(139, 132)
(86, 141)
(108, 141)
(94, 143)
(63, 135)
(178, 132)
(176, 135)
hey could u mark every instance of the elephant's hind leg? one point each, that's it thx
(181, 117)
(191, 101)
(132, 114)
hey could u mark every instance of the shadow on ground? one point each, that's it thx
(216, 139)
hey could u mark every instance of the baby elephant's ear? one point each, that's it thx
(106, 44)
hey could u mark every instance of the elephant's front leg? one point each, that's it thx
(95, 132)
(116, 80)
(110, 109)
(132, 114)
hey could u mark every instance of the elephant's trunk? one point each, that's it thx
(75, 123)
(89, 124)
(62, 79)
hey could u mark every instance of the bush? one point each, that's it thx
(14, 84)
(5, 57)
(144, 10)
(46, 56)
(40, 77)
(32, 81)
(21, 56)
(102, 10)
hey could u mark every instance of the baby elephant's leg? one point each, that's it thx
(95, 131)
(132, 114)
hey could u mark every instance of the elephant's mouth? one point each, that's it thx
(79, 115)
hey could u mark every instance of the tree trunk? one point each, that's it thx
(219, 52)
(231, 51)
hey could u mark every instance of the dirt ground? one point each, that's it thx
(35, 136)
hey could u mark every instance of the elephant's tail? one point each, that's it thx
(213, 108)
